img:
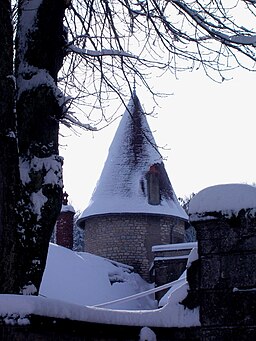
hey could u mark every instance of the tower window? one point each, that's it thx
(153, 186)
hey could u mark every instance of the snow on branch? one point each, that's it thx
(241, 39)
(253, 2)
(70, 121)
(102, 52)
(229, 40)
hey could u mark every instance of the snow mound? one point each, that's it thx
(146, 334)
(86, 279)
(223, 198)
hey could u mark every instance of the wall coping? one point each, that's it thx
(223, 200)
(171, 247)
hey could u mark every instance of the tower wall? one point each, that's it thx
(128, 238)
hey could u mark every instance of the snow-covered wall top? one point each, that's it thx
(179, 246)
(228, 199)
(122, 187)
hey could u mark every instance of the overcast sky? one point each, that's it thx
(207, 128)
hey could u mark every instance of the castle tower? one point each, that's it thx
(133, 206)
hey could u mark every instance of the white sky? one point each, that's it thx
(208, 127)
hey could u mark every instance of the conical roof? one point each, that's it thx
(123, 186)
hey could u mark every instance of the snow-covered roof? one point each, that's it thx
(226, 198)
(122, 187)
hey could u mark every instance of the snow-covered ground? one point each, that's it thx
(74, 282)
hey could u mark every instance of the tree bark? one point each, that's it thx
(39, 55)
(9, 171)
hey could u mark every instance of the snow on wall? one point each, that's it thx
(179, 246)
(17, 308)
(226, 198)
(79, 278)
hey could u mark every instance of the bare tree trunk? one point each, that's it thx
(39, 45)
(9, 171)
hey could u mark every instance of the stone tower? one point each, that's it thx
(133, 206)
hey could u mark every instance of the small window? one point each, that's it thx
(153, 186)
(142, 186)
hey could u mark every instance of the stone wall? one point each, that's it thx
(128, 238)
(227, 265)
(53, 329)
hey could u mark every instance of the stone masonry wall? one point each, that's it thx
(228, 277)
(227, 272)
(128, 238)
(53, 329)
